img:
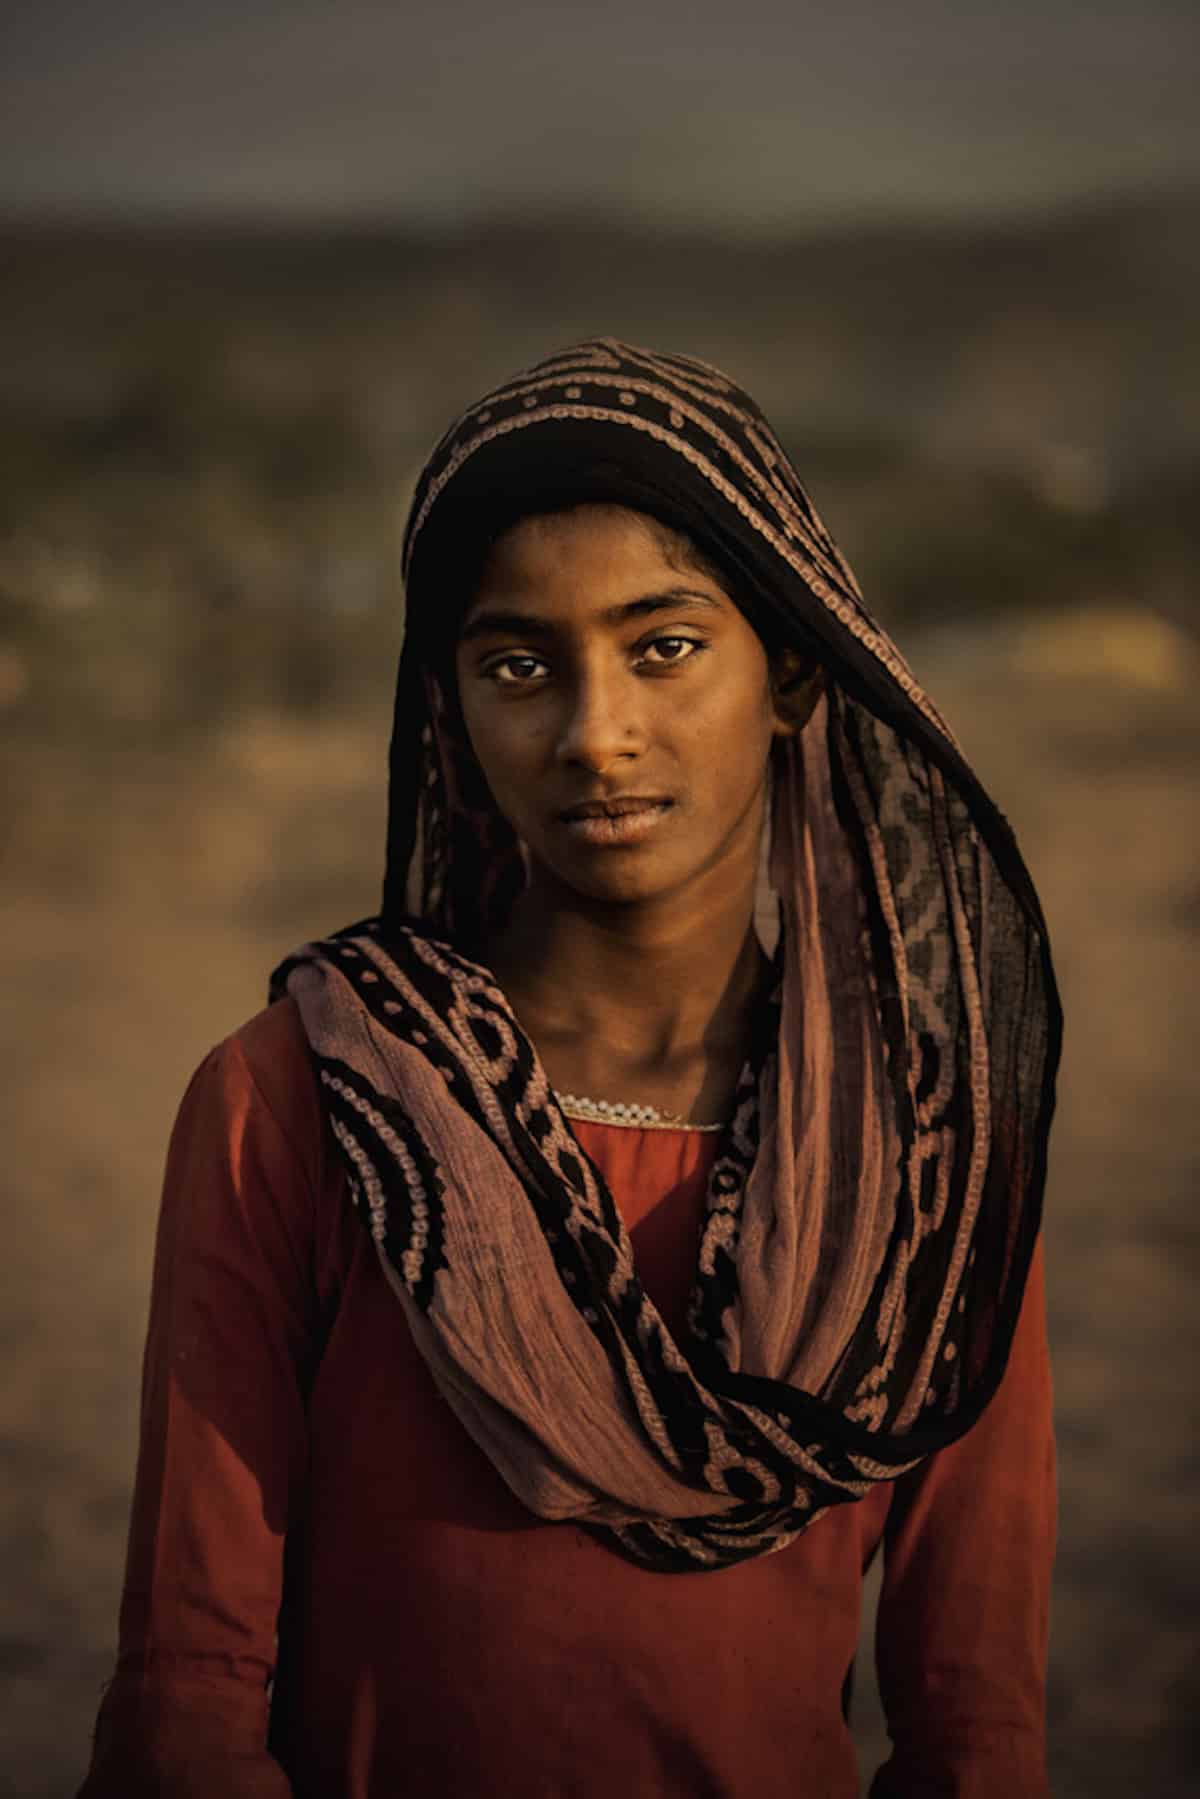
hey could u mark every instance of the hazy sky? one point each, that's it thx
(747, 113)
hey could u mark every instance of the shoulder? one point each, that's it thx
(260, 1081)
(272, 1050)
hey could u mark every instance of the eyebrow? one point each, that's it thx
(490, 621)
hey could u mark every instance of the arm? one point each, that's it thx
(221, 1455)
(962, 1623)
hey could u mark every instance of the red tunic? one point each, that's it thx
(434, 1637)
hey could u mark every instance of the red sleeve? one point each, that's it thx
(222, 1451)
(963, 1613)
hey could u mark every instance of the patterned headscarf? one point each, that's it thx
(875, 1197)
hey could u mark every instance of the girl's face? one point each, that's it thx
(620, 706)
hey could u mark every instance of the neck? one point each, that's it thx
(638, 991)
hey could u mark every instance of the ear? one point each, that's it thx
(796, 686)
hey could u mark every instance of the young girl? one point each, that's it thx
(581, 1270)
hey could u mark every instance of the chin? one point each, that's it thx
(602, 877)
(615, 889)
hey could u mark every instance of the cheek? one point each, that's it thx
(479, 718)
(731, 725)
(504, 749)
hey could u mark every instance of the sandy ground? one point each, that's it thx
(146, 898)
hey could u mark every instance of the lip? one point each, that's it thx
(628, 819)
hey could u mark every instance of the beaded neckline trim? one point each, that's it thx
(633, 1117)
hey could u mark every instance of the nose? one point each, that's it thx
(600, 725)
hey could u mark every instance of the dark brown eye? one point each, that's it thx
(671, 649)
(514, 671)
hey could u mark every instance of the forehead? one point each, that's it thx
(591, 550)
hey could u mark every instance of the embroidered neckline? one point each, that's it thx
(627, 1113)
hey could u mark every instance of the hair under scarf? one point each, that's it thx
(876, 1195)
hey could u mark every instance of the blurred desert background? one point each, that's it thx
(210, 418)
